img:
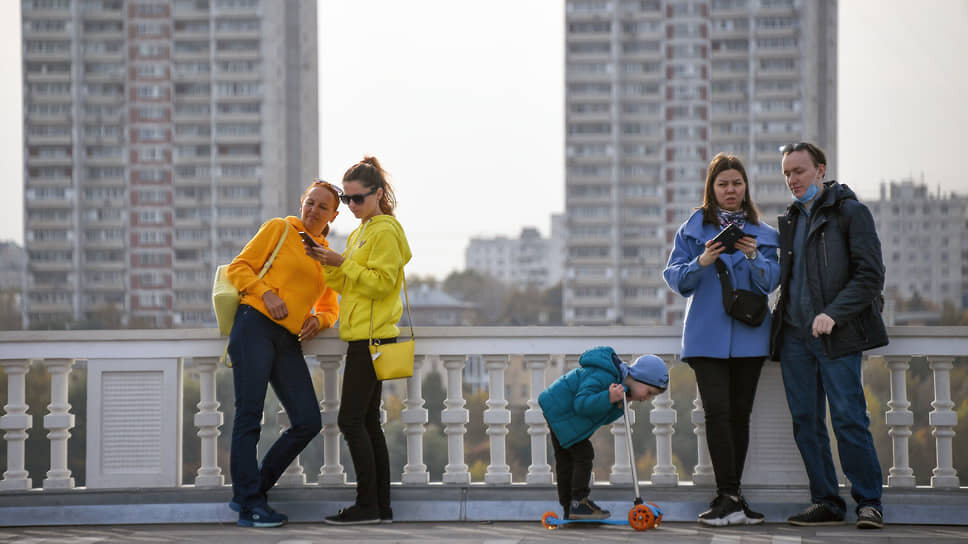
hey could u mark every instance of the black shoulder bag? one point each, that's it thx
(745, 306)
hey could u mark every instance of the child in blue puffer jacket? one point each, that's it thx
(583, 400)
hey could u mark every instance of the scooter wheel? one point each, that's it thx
(658, 513)
(641, 517)
(548, 525)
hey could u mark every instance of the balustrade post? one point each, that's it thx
(571, 363)
(663, 419)
(208, 419)
(414, 417)
(59, 422)
(943, 420)
(15, 423)
(539, 472)
(899, 420)
(621, 471)
(703, 471)
(497, 418)
(332, 471)
(454, 418)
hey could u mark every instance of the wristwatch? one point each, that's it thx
(756, 254)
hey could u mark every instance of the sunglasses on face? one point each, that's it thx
(357, 199)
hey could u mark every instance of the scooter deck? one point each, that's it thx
(641, 517)
(559, 522)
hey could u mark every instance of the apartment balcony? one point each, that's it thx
(134, 465)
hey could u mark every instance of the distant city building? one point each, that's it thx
(924, 242)
(158, 136)
(528, 260)
(12, 260)
(654, 89)
(433, 307)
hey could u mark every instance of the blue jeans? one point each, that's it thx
(263, 352)
(811, 380)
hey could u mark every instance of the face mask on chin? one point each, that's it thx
(809, 195)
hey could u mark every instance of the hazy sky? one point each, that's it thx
(463, 103)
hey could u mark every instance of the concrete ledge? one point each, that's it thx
(437, 502)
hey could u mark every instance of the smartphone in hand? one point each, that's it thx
(308, 240)
(729, 236)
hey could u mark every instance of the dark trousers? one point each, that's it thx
(264, 353)
(573, 468)
(359, 421)
(727, 388)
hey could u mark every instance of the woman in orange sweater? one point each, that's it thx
(289, 304)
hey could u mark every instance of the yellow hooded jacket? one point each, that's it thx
(294, 276)
(371, 276)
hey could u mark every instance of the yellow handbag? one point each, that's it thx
(393, 361)
(226, 298)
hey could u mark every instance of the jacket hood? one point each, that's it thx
(604, 358)
(389, 222)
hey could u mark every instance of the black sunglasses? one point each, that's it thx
(790, 148)
(357, 199)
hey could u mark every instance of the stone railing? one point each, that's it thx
(135, 389)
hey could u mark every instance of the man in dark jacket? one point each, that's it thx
(828, 312)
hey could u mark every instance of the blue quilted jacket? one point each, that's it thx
(577, 403)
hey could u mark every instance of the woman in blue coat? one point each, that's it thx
(726, 354)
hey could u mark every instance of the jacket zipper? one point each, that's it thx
(823, 243)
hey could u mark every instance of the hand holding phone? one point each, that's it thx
(729, 236)
(308, 240)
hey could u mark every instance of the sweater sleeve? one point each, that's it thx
(327, 309)
(765, 269)
(867, 278)
(244, 270)
(376, 278)
(591, 399)
(683, 271)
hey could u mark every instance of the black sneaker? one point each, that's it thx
(724, 510)
(816, 514)
(869, 517)
(752, 517)
(386, 515)
(262, 517)
(586, 509)
(353, 515)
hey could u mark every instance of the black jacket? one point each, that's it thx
(845, 272)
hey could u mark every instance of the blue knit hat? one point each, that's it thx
(649, 370)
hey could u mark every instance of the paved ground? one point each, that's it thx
(483, 533)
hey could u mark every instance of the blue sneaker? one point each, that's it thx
(234, 506)
(262, 517)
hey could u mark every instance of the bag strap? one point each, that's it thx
(406, 296)
(727, 288)
(265, 267)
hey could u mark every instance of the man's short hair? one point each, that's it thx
(816, 154)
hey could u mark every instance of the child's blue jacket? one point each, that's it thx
(577, 403)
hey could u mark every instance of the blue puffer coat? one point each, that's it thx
(707, 330)
(577, 403)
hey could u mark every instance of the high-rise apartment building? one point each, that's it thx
(924, 243)
(158, 136)
(654, 89)
(526, 261)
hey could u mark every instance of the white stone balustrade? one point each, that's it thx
(15, 423)
(899, 420)
(454, 418)
(497, 418)
(943, 420)
(702, 473)
(59, 421)
(332, 471)
(208, 420)
(59, 351)
(414, 417)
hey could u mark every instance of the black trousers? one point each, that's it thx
(727, 388)
(573, 467)
(359, 421)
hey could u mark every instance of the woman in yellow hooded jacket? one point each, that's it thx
(368, 277)
(289, 304)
